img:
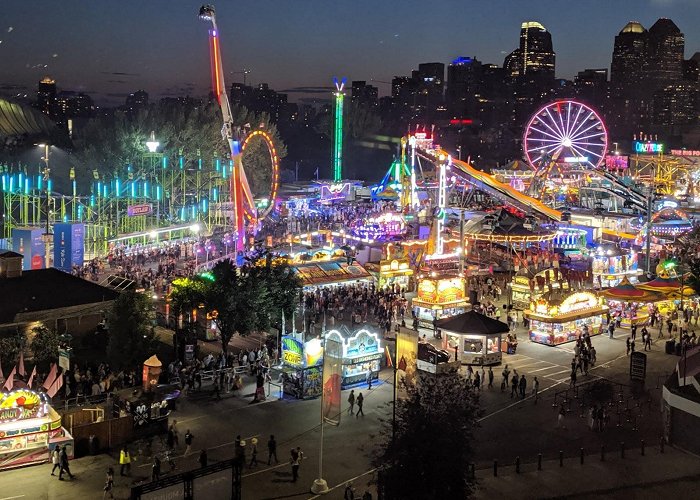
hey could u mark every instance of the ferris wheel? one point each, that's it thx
(565, 131)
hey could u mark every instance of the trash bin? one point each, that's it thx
(670, 346)
(93, 444)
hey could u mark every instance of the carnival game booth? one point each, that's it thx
(475, 337)
(331, 272)
(556, 319)
(631, 303)
(524, 289)
(29, 429)
(439, 296)
(611, 264)
(362, 354)
(669, 286)
(301, 367)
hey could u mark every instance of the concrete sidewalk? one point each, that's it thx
(654, 475)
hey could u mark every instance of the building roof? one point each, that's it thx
(10, 253)
(47, 289)
(664, 26)
(633, 27)
(472, 322)
(20, 120)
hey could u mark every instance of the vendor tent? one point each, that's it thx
(626, 291)
(662, 283)
(472, 322)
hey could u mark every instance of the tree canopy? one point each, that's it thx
(131, 331)
(240, 300)
(433, 449)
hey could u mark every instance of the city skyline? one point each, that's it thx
(272, 42)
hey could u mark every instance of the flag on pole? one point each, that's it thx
(2, 373)
(10, 382)
(31, 377)
(332, 377)
(21, 369)
(50, 377)
(56, 386)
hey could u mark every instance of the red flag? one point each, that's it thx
(58, 383)
(31, 377)
(10, 382)
(20, 369)
(402, 364)
(2, 374)
(50, 377)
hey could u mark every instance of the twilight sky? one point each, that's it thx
(109, 48)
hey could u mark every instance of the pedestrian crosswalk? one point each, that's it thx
(532, 367)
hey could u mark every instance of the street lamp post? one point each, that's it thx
(46, 174)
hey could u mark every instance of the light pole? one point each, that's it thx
(47, 175)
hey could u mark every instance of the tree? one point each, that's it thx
(44, 345)
(433, 449)
(131, 332)
(9, 351)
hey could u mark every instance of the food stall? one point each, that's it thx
(29, 429)
(473, 337)
(300, 369)
(439, 296)
(630, 303)
(524, 289)
(391, 272)
(362, 353)
(556, 319)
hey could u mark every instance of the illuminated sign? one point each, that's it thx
(578, 301)
(292, 351)
(22, 404)
(685, 152)
(648, 147)
(576, 159)
(616, 162)
(144, 209)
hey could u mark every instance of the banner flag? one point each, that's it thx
(332, 377)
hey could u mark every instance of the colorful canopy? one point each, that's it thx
(661, 283)
(627, 291)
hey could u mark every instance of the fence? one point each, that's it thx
(98, 436)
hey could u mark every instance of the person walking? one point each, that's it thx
(351, 402)
(349, 492)
(272, 450)
(155, 469)
(367, 495)
(65, 467)
(253, 453)
(629, 344)
(203, 458)
(124, 461)
(523, 386)
(536, 388)
(506, 374)
(109, 484)
(369, 379)
(297, 456)
(176, 435)
(560, 417)
(572, 383)
(477, 381)
(647, 342)
(514, 385)
(360, 402)
(188, 442)
(55, 460)
(490, 378)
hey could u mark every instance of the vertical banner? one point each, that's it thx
(406, 354)
(332, 377)
(68, 246)
(30, 243)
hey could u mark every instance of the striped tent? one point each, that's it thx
(626, 291)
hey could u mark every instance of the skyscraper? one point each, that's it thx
(535, 53)
(629, 61)
(463, 84)
(431, 81)
(136, 101)
(666, 50)
(46, 96)
(363, 94)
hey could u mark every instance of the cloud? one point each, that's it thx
(119, 73)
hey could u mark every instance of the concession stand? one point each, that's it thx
(523, 289)
(438, 297)
(362, 353)
(300, 371)
(29, 429)
(391, 272)
(474, 337)
(555, 318)
(630, 303)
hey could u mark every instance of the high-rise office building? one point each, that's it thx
(535, 53)
(629, 61)
(46, 96)
(431, 82)
(591, 85)
(666, 49)
(464, 81)
(363, 94)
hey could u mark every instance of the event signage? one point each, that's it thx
(30, 243)
(10, 414)
(648, 147)
(685, 152)
(143, 209)
(332, 378)
(68, 246)
(22, 404)
(292, 351)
